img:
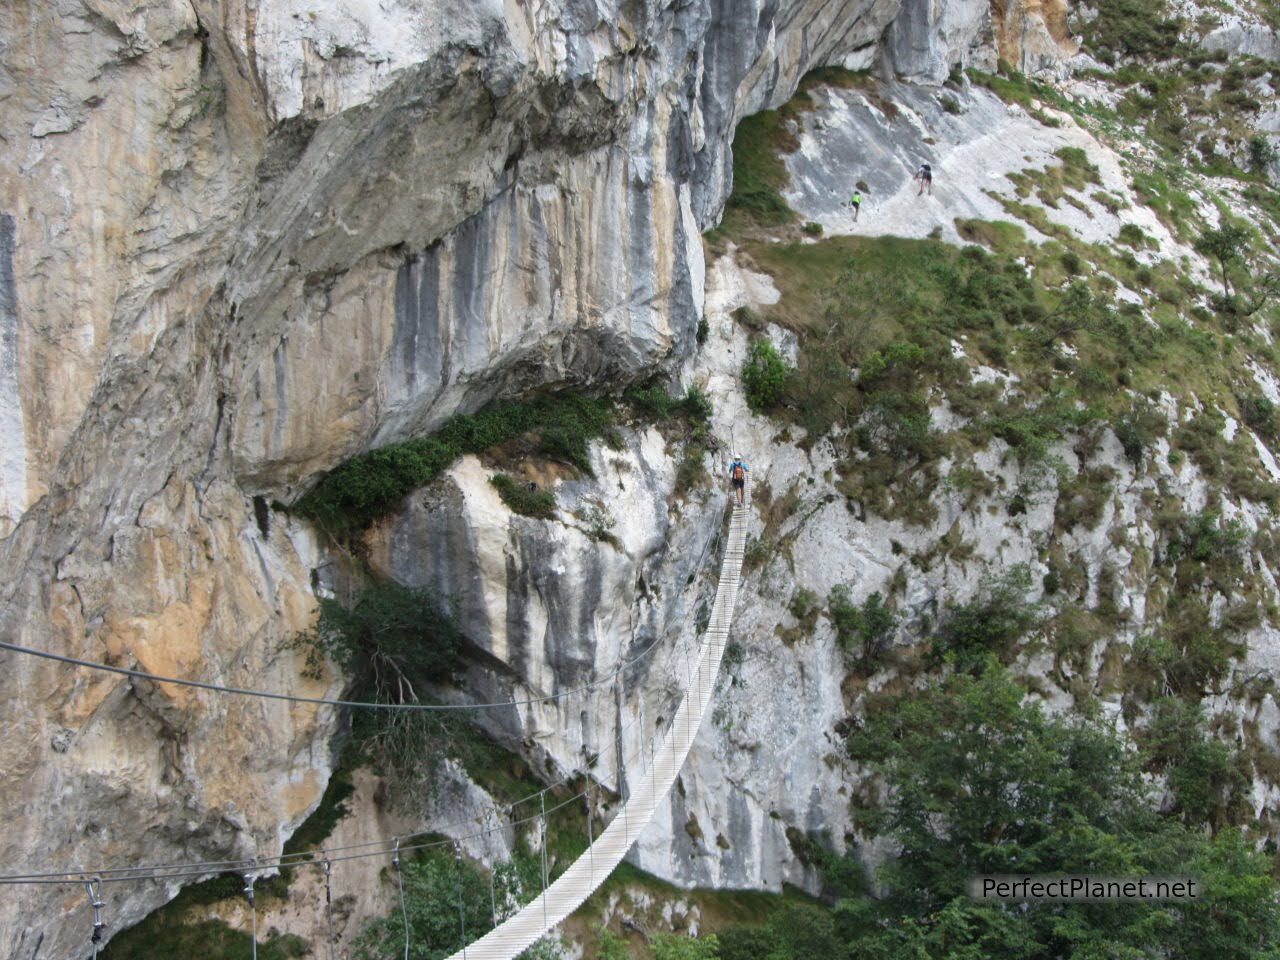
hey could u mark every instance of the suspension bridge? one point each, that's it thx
(647, 787)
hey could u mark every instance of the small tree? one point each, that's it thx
(763, 375)
(1226, 245)
(1262, 153)
(866, 629)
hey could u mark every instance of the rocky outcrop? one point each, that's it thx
(1033, 35)
(1243, 39)
(928, 38)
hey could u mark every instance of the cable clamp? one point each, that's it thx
(93, 887)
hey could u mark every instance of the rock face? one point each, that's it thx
(240, 242)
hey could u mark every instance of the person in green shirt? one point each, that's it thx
(856, 202)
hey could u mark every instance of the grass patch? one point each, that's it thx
(524, 500)
(998, 235)
(1133, 28)
(759, 173)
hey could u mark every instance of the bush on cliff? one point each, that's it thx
(370, 485)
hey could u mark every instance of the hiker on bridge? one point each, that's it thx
(738, 473)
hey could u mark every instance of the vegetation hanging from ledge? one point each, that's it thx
(369, 486)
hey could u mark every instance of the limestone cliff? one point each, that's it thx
(239, 243)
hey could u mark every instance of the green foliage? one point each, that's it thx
(1232, 464)
(759, 173)
(1226, 245)
(863, 631)
(389, 638)
(1138, 429)
(983, 782)
(1204, 775)
(763, 375)
(697, 405)
(1259, 412)
(610, 946)
(207, 939)
(803, 603)
(671, 946)
(1030, 431)
(704, 330)
(1132, 28)
(1133, 235)
(1262, 153)
(540, 504)
(652, 400)
(970, 633)
(1205, 538)
(442, 897)
(391, 641)
(367, 486)
(1082, 501)
(1189, 662)
(796, 932)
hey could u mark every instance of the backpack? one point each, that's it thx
(738, 472)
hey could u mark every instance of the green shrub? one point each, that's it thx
(704, 330)
(442, 896)
(1204, 538)
(1259, 413)
(1262, 153)
(1031, 430)
(207, 939)
(812, 228)
(387, 633)
(1190, 664)
(671, 946)
(524, 500)
(763, 376)
(979, 780)
(864, 632)
(1132, 235)
(1138, 429)
(1203, 774)
(747, 943)
(652, 400)
(969, 633)
(803, 603)
(697, 405)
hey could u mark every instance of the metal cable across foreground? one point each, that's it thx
(579, 879)
(325, 701)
